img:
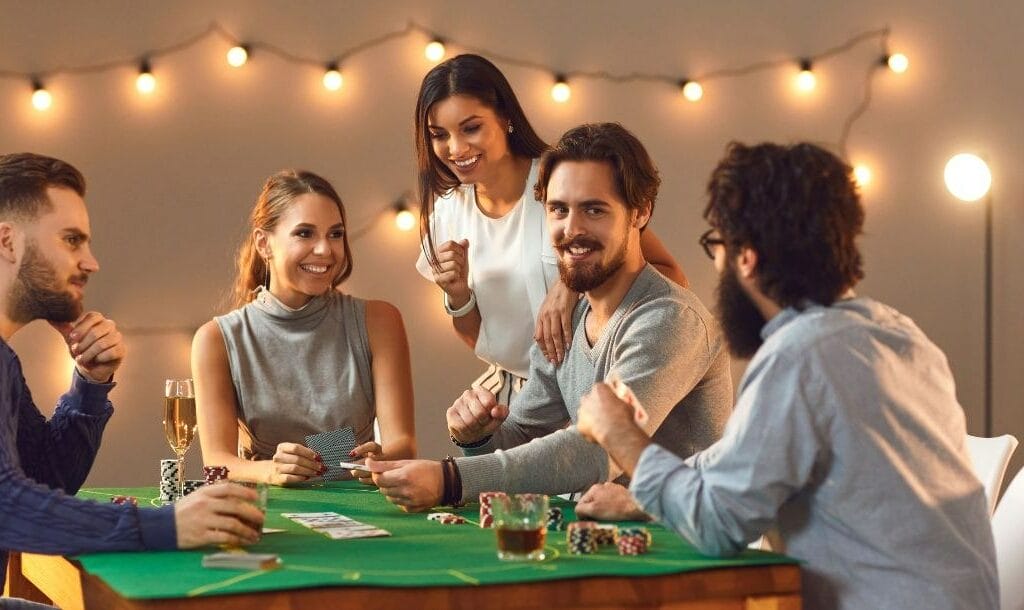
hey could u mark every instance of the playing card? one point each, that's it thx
(336, 526)
(627, 396)
(333, 447)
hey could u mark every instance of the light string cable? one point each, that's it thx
(215, 29)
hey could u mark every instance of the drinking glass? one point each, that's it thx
(180, 421)
(520, 521)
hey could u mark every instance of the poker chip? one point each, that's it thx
(168, 480)
(124, 500)
(556, 521)
(634, 531)
(605, 534)
(438, 516)
(581, 537)
(212, 474)
(450, 519)
(193, 484)
(486, 510)
(632, 544)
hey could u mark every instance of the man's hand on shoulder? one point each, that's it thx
(95, 344)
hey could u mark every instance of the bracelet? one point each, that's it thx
(473, 445)
(462, 311)
(452, 482)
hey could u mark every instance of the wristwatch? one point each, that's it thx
(462, 311)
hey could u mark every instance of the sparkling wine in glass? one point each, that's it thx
(180, 421)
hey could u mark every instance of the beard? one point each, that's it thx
(588, 276)
(37, 295)
(741, 320)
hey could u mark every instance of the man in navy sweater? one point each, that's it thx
(45, 263)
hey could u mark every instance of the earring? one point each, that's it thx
(510, 128)
(266, 272)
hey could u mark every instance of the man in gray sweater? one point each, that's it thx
(599, 186)
(847, 435)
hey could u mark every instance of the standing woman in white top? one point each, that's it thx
(484, 237)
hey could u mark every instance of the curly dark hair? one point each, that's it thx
(798, 207)
(636, 177)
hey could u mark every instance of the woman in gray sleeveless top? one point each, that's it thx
(298, 357)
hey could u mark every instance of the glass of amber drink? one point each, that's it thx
(520, 521)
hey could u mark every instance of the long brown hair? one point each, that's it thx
(463, 75)
(279, 192)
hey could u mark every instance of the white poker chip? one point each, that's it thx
(438, 516)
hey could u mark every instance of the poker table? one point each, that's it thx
(423, 564)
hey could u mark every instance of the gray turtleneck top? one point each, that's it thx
(298, 371)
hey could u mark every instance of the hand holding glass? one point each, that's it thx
(180, 421)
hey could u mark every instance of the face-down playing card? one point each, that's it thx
(333, 447)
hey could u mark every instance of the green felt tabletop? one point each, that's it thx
(418, 553)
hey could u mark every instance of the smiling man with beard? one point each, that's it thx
(45, 263)
(847, 436)
(598, 185)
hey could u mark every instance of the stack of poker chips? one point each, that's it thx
(486, 510)
(605, 534)
(212, 474)
(125, 500)
(556, 522)
(168, 480)
(581, 537)
(633, 540)
(193, 484)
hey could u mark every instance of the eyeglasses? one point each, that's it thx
(707, 242)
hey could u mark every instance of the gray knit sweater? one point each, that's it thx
(662, 342)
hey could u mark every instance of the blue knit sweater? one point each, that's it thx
(42, 462)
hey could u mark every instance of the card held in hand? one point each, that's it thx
(333, 447)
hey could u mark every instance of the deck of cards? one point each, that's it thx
(335, 526)
(242, 561)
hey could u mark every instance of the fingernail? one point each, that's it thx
(73, 347)
(352, 453)
(319, 458)
(73, 335)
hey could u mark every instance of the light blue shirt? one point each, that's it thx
(847, 437)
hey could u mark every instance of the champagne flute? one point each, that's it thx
(180, 421)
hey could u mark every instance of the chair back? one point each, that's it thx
(1008, 531)
(990, 457)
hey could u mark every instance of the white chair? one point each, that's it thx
(1008, 531)
(990, 457)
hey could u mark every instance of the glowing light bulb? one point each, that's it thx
(898, 63)
(237, 56)
(806, 81)
(332, 78)
(862, 175)
(405, 220)
(434, 51)
(967, 177)
(41, 98)
(693, 91)
(560, 91)
(145, 83)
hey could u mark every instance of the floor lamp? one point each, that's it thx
(968, 179)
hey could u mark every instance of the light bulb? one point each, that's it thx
(898, 63)
(693, 91)
(560, 91)
(805, 81)
(237, 56)
(862, 175)
(434, 51)
(41, 98)
(967, 177)
(144, 82)
(333, 79)
(405, 220)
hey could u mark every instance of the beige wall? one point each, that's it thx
(173, 176)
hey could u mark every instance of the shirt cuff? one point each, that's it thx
(158, 528)
(652, 470)
(91, 395)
